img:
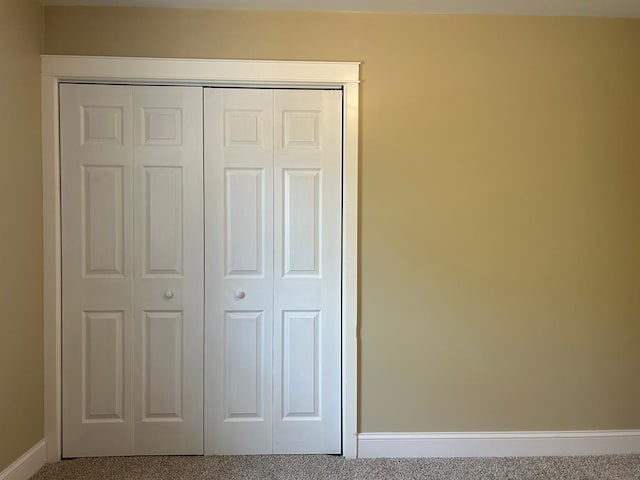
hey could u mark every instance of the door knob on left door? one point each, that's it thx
(168, 294)
(240, 294)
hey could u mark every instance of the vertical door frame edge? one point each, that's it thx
(258, 73)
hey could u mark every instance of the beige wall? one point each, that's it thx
(500, 202)
(20, 229)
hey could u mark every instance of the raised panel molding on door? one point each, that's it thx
(132, 254)
(102, 363)
(244, 366)
(162, 368)
(103, 233)
(302, 223)
(300, 365)
(163, 195)
(273, 269)
(244, 221)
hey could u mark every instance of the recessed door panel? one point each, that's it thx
(102, 124)
(162, 366)
(244, 344)
(302, 222)
(163, 221)
(301, 365)
(162, 125)
(244, 128)
(301, 128)
(103, 362)
(103, 220)
(244, 221)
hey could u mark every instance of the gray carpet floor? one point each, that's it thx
(307, 467)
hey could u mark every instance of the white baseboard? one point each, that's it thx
(27, 465)
(499, 444)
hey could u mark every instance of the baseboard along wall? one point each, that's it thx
(499, 444)
(28, 464)
(431, 445)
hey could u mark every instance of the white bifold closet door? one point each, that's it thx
(273, 242)
(133, 274)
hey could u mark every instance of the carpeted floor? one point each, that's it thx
(306, 467)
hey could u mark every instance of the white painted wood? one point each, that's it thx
(499, 444)
(97, 273)
(239, 270)
(301, 362)
(103, 365)
(244, 365)
(350, 108)
(299, 220)
(598, 8)
(244, 228)
(182, 70)
(161, 368)
(307, 259)
(193, 72)
(27, 464)
(132, 320)
(169, 270)
(52, 268)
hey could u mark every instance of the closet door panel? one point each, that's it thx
(169, 274)
(307, 259)
(97, 272)
(239, 270)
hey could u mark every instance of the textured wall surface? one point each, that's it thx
(500, 202)
(20, 229)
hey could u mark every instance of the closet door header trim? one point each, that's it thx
(199, 71)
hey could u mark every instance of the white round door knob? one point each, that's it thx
(168, 294)
(240, 294)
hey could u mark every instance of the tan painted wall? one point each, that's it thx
(20, 229)
(500, 202)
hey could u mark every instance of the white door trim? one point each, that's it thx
(59, 68)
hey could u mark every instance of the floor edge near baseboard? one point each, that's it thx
(28, 464)
(499, 444)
